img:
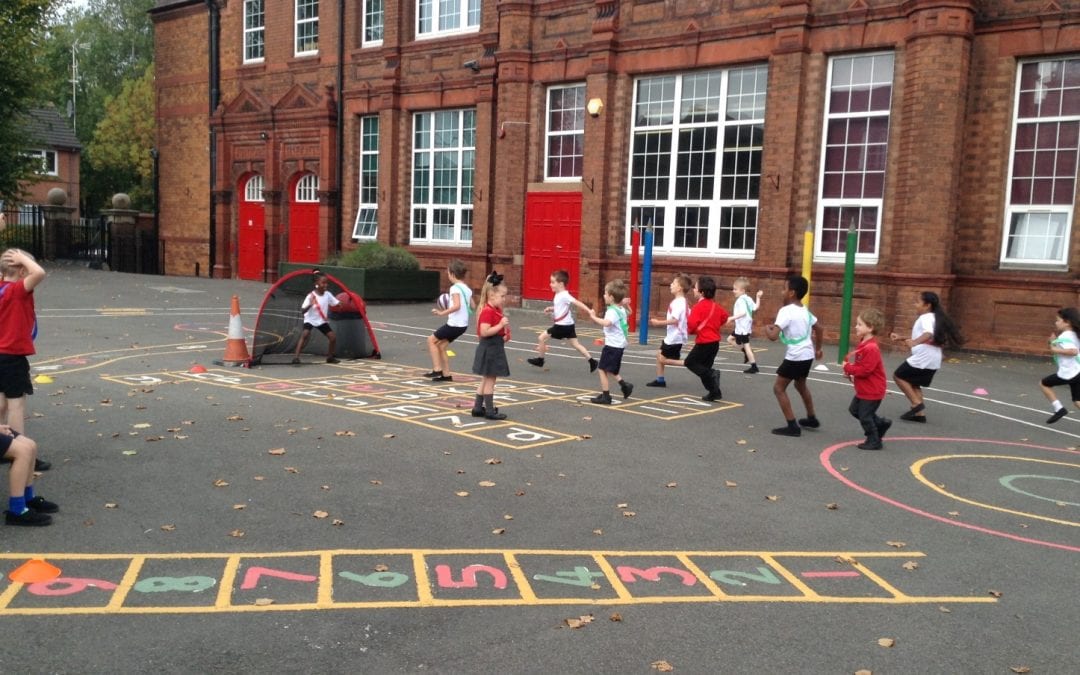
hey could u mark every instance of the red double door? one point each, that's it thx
(552, 241)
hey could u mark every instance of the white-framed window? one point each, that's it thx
(695, 160)
(48, 159)
(307, 188)
(367, 215)
(435, 18)
(307, 27)
(565, 148)
(374, 13)
(253, 189)
(444, 165)
(852, 185)
(254, 31)
(1043, 166)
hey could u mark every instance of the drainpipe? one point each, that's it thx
(340, 164)
(215, 93)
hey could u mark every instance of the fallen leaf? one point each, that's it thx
(615, 616)
(628, 514)
(234, 418)
(110, 505)
(741, 441)
(896, 544)
(832, 506)
(344, 433)
(336, 522)
(140, 425)
(258, 478)
(375, 482)
(388, 435)
(291, 469)
(320, 514)
(486, 483)
(910, 565)
(598, 532)
(236, 533)
(239, 507)
(130, 452)
(944, 610)
(1020, 669)
(864, 672)
(585, 437)
(772, 498)
(996, 594)
(886, 642)
(587, 418)
(730, 483)
(462, 493)
(221, 483)
(954, 513)
(499, 530)
(662, 666)
(621, 506)
(168, 528)
(276, 451)
(151, 439)
(519, 493)
(324, 487)
(579, 621)
(263, 602)
(381, 568)
(672, 484)
(492, 460)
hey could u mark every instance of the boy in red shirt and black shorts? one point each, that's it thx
(864, 367)
(704, 322)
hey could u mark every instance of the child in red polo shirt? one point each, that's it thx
(704, 324)
(864, 367)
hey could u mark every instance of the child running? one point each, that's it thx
(563, 329)
(932, 331)
(798, 329)
(615, 337)
(704, 324)
(670, 351)
(742, 314)
(457, 322)
(315, 308)
(493, 329)
(1065, 346)
(864, 367)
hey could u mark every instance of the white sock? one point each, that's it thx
(1057, 405)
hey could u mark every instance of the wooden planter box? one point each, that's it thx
(379, 285)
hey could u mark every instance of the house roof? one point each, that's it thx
(48, 127)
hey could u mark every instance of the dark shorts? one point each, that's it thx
(919, 377)
(323, 328)
(611, 359)
(5, 443)
(449, 333)
(560, 332)
(672, 352)
(1055, 381)
(795, 370)
(15, 376)
(741, 339)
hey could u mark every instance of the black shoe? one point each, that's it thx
(809, 422)
(883, 426)
(626, 388)
(752, 369)
(537, 361)
(495, 415)
(656, 383)
(713, 396)
(434, 373)
(593, 363)
(787, 430)
(912, 415)
(331, 359)
(443, 378)
(604, 398)
(1057, 415)
(42, 465)
(42, 505)
(28, 518)
(870, 445)
(479, 412)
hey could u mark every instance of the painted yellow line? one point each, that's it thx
(326, 579)
(524, 587)
(420, 576)
(886, 586)
(9, 593)
(917, 467)
(228, 580)
(124, 587)
(701, 576)
(790, 577)
(612, 577)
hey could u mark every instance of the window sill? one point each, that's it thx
(1054, 268)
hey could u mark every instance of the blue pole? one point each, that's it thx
(646, 287)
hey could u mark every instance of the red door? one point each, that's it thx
(251, 230)
(552, 241)
(304, 219)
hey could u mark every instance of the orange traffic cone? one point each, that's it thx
(34, 571)
(236, 351)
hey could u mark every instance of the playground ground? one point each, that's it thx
(355, 518)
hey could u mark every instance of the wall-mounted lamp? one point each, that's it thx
(265, 136)
(473, 65)
(595, 106)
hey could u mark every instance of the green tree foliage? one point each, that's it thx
(22, 33)
(123, 138)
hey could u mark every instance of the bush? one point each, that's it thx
(375, 256)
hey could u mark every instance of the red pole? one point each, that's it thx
(635, 242)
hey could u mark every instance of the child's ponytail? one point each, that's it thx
(946, 332)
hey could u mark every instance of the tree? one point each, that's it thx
(123, 139)
(23, 25)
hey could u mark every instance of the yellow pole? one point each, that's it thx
(807, 256)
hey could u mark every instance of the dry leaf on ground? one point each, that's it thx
(110, 505)
(221, 483)
(1020, 669)
(910, 565)
(236, 533)
(492, 460)
(462, 493)
(486, 483)
(886, 642)
(832, 506)
(672, 484)
(896, 544)
(579, 621)
(615, 617)
(344, 433)
(662, 666)
(276, 451)
(499, 530)
(262, 602)
(730, 483)
(168, 528)
(320, 514)
(239, 507)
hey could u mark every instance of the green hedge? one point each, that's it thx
(373, 255)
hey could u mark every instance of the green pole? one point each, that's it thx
(849, 292)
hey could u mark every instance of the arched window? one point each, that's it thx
(307, 188)
(253, 189)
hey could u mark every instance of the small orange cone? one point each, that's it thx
(236, 351)
(197, 368)
(34, 571)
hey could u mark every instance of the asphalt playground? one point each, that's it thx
(354, 517)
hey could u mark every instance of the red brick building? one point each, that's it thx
(51, 139)
(529, 136)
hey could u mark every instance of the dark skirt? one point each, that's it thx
(490, 359)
